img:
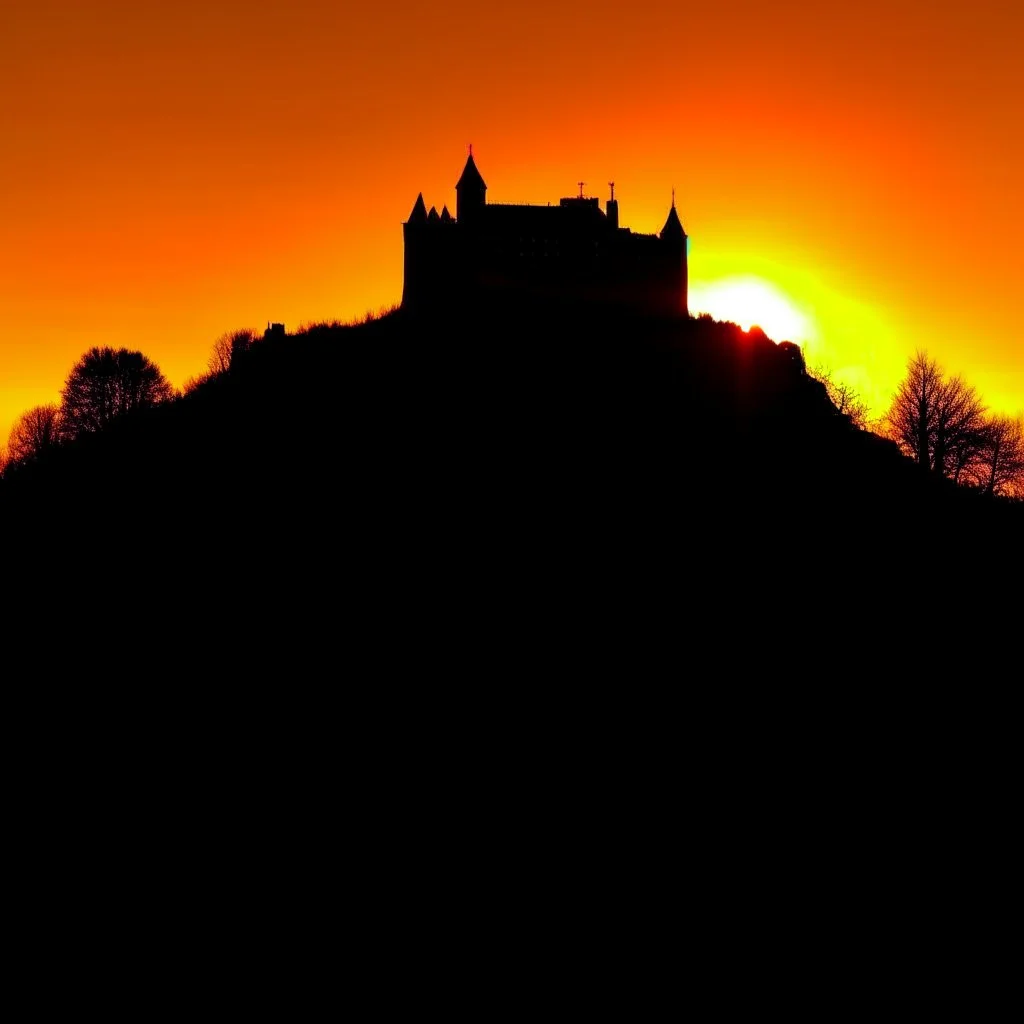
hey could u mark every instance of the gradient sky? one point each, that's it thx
(171, 171)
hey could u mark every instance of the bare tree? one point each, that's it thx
(106, 383)
(999, 466)
(914, 409)
(936, 420)
(228, 347)
(843, 396)
(959, 429)
(35, 432)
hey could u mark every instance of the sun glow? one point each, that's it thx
(750, 301)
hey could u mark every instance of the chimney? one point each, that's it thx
(613, 209)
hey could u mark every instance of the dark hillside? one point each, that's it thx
(524, 441)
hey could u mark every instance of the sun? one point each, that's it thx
(750, 301)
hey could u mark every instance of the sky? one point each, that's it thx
(173, 171)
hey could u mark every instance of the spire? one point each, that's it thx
(446, 217)
(673, 225)
(419, 211)
(471, 177)
(470, 193)
(433, 215)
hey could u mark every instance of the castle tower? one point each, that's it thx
(569, 253)
(417, 253)
(471, 192)
(677, 282)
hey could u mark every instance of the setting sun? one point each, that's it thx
(750, 301)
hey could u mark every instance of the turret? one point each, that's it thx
(416, 255)
(419, 211)
(677, 274)
(431, 255)
(673, 230)
(470, 191)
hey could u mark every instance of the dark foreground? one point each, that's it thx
(500, 472)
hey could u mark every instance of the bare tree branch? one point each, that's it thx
(35, 432)
(999, 466)
(843, 396)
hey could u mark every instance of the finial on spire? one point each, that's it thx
(581, 184)
(612, 183)
(471, 149)
(673, 197)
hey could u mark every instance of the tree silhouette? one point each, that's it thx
(843, 396)
(959, 428)
(106, 383)
(937, 420)
(912, 415)
(228, 347)
(35, 432)
(999, 467)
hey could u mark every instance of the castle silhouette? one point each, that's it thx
(574, 251)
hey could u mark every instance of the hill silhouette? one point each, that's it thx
(506, 447)
(520, 559)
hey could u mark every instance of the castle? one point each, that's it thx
(574, 251)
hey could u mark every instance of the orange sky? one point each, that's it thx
(171, 171)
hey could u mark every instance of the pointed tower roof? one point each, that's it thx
(471, 177)
(433, 215)
(446, 217)
(673, 225)
(419, 211)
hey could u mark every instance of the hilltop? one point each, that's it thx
(495, 439)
